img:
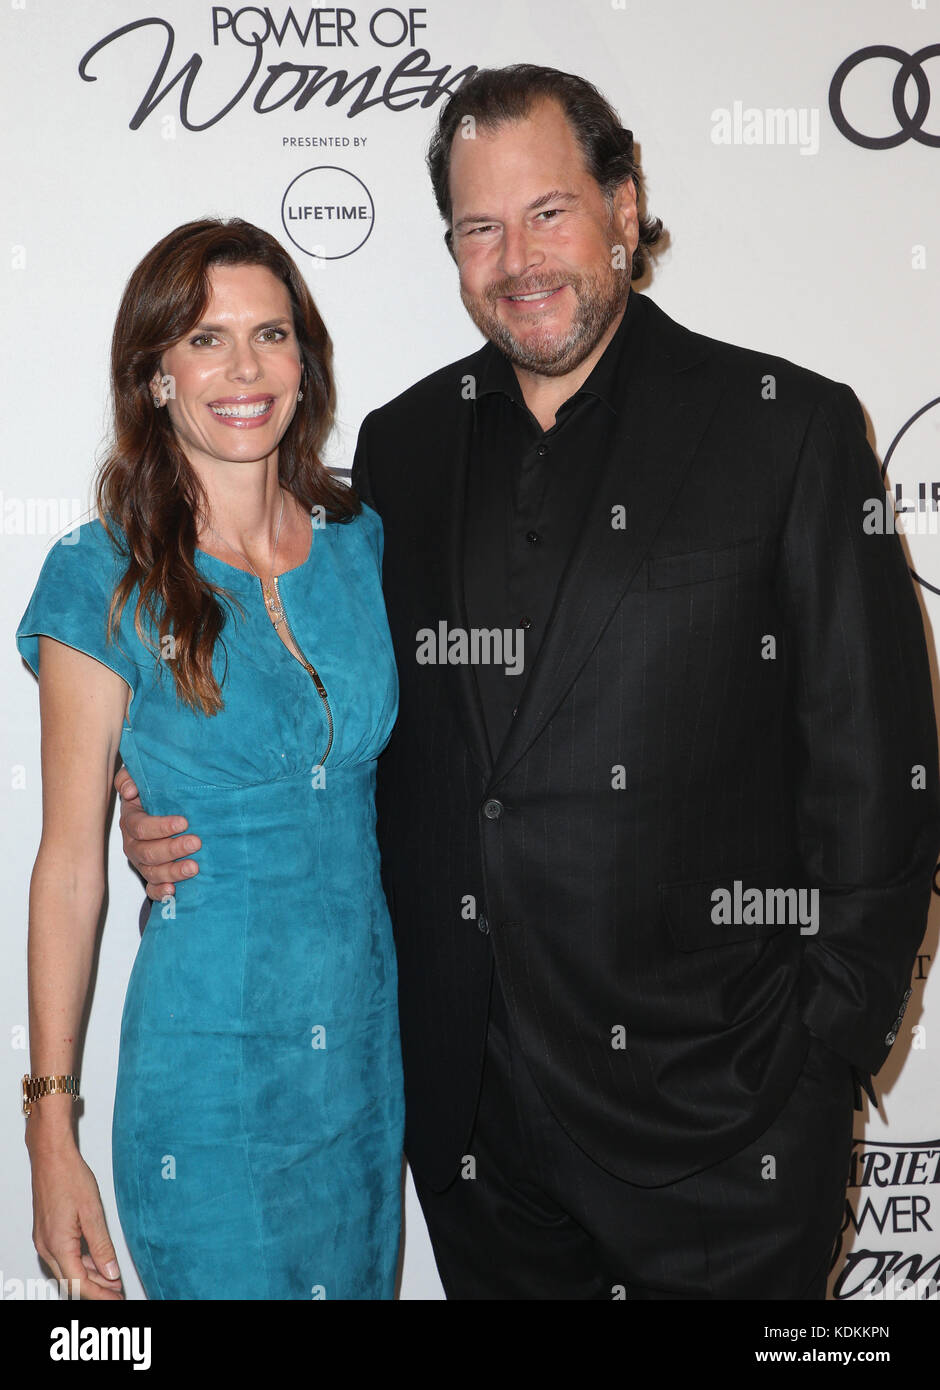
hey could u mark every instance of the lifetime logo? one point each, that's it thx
(328, 212)
(299, 214)
(909, 468)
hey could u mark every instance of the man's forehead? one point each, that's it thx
(520, 140)
(542, 114)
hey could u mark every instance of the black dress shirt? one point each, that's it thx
(527, 491)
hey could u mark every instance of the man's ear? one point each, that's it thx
(449, 243)
(625, 214)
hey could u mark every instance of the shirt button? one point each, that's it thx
(532, 537)
(542, 450)
(483, 925)
(492, 809)
(515, 711)
(525, 622)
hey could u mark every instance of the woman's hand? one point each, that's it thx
(66, 1207)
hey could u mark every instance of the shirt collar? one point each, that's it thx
(606, 381)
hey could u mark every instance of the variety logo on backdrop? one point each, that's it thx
(251, 32)
(909, 92)
(891, 1191)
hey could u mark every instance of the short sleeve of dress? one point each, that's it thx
(371, 523)
(71, 601)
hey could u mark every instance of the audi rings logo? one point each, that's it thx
(910, 123)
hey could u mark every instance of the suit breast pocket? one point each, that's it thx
(732, 910)
(743, 558)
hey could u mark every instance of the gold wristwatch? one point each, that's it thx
(36, 1086)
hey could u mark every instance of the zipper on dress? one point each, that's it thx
(312, 672)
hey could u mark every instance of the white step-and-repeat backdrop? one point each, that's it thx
(794, 155)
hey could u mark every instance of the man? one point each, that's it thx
(660, 813)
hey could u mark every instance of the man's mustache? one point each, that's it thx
(503, 288)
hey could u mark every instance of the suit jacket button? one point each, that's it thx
(483, 925)
(890, 1038)
(492, 809)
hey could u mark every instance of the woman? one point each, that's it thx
(221, 624)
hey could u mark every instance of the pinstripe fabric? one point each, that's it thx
(755, 664)
(540, 1220)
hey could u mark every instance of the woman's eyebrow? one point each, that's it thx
(220, 328)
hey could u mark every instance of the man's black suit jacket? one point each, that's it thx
(733, 688)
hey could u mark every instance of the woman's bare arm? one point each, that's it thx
(82, 705)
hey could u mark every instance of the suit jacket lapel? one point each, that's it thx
(462, 681)
(670, 402)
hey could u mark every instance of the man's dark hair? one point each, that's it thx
(493, 96)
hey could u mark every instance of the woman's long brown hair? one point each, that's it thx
(146, 486)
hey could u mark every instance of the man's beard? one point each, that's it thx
(599, 301)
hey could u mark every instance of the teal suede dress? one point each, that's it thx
(258, 1116)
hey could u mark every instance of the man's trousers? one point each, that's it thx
(531, 1216)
